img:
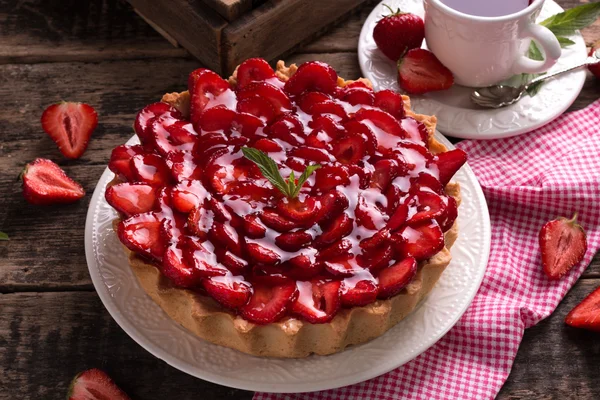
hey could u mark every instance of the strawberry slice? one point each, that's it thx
(131, 198)
(563, 244)
(331, 109)
(391, 102)
(45, 183)
(289, 129)
(206, 88)
(395, 197)
(358, 294)
(142, 234)
(253, 228)
(312, 76)
(385, 172)
(586, 315)
(419, 71)
(187, 195)
(293, 241)
(301, 268)
(376, 259)
(231, 291)
(421, 242)
(276, 221)
(253, 69)
(339, 248)
(200, 221)
(393, 279)
(278, 99)
(247, 124)
(269, 303)
(310, 99)
(448, 163)
(427, 181)
(349, 149)
(258, 107)
(317, 302)
(176, 268)
(267, 145)
(428, 206)
(227, 236)
(331, 176)
(201, 259)
(358, 95)
(94, 384)
(311, 154)
(217, 118)
(368, 215)
(415, 131)
(146, 117)
(183, 166)
(235, 264)
(333, 203)
(70, 125)
(301, 210)
(338, 228)
(343, 266)
(262, 254)
(398, 218)
(377, 240)
(172, 135)
(450, 215)
(120, 160)
(381, 120)
(150, 169)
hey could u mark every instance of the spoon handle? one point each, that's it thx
(593, 59)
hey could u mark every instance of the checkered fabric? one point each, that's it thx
(527, 180)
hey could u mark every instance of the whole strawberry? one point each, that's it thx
(595, 69)
(398, 32)
(563, 244)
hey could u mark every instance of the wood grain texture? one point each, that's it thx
(229, 9)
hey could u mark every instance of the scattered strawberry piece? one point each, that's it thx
(204, 86)
(269, 303)
(230, 291)
(563, 244)
(398, 32)
(46, 183)
(393, 279)
(131, 198)
(421, 242)
(390, 101)
(253, 69)
(120, 160)
(142, 234)
(312, 76)
(70, 125)
(278, 99)
(448, 163)
(94, 384)
(150, 169)
(594, 68)
(420, 72)
(359, 294)
(317, 302)
(586, 315)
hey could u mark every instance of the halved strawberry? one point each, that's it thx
(187, 195)
(150, 169)
(94, 384)
(390, 101)
(586, 315)
(131, 198)
(269, 303)
(70, 125)
(120, 160)
(563, 244)
(333, 203)
(301, 210)
(278, 99)
(218, 118)
(419, 71)
(358, 294)
(146, 117)
(381, 120)
(46, 183)
(205, 86)
(394, 278)
(253, 69)
(358, 95)
(257, 106)
(448, 163)
(317, 302)
(276, 221)
(312, 76)
(178, 270)
(293, 241)
(262, 254)
(415, 131)
(231, 291)
(309, 99)
(183, 165)
(421, 241)
(338, 228)
(142, 234)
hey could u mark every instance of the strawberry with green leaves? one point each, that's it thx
(398, 32)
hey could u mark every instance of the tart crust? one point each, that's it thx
(291, 337)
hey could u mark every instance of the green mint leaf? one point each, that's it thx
(534, 88)
(307, 172)
(4, 236)
(568, 21)
(267, 167)
(291, 183)
(534, 52)
(565, 42)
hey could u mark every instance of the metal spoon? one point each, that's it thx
(502, 95)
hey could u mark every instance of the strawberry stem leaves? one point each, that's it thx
(269, 169)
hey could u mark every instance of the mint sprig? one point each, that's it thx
(4, 236)
(269, 169)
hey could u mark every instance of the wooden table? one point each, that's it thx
(52, 323)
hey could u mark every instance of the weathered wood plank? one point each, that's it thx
(230, 9)
(45, 31)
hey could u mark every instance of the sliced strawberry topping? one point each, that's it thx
(205, 87)
(172, 135)
(450, 215)
(349, 149)
(257, 106)
(247, 124)
(331, 109)
(142, 234)
(381, 120)
(329, 177)
(343, 266)
(448, 163)
(376, 259)
(120, 160)
(390, 101)
(267, 145)
(339, 248)
(288, 128)
(336, 229)
(253, 69)
(204, 261)
(269, 303)
(427, 205)
(176, 268)
(384, 174)
(312, 76)
(368, 215)
(586, 315)
(70, 125)
(46, 183)
(358, 294)
(395, 278)
(317, 302)
(235, 264)
(132, 198)
(187, 195)
(183, 166)
(230, 291)
(276, 221)
(200, 221)
(359, 95)
(279, 100)
(151, 169)
(420, 242)
(299, 210)
(217, 118)
(309, 99)
(146, 117)
(227, 236)
(415, 131)
(293, 241)
(94, 384)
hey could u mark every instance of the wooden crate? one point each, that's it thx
(223, 33)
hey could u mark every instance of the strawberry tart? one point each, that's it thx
(285, 212)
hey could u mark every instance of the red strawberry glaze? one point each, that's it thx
(220, 228)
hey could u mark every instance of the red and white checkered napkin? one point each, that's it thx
(527, 180)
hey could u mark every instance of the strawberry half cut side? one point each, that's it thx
(46, 183)
(70, 125)
(563, 244)
(95, 384)
(586, 315)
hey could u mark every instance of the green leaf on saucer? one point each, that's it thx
(568, 21)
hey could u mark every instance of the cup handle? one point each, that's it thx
(548, 44)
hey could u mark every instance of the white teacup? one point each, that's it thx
(483, 42)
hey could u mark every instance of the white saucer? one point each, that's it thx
(149, 326)
(457, 116)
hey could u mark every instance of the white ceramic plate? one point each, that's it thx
(148, 325)
(457, 115)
